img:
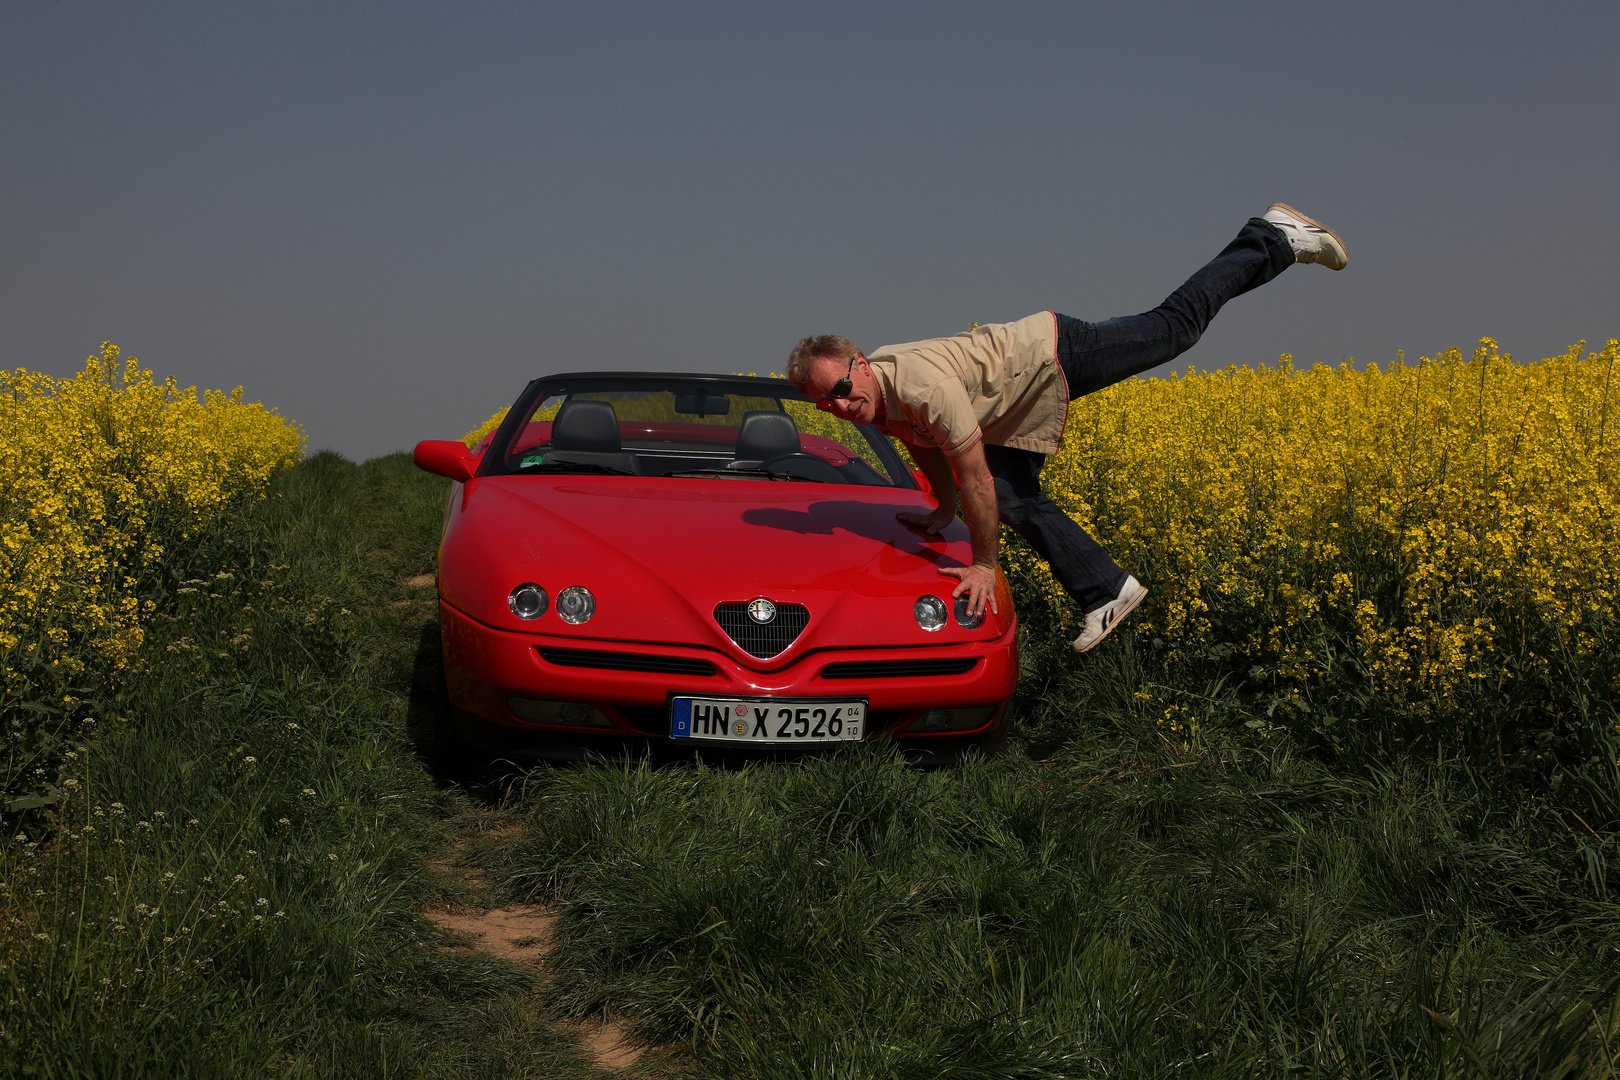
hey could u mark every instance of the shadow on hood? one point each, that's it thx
(873, 521)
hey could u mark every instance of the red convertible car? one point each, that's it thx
(703, 561)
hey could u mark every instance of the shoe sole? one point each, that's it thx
(1285, 208)
(1121, 617)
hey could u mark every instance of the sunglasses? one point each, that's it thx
(843, 387)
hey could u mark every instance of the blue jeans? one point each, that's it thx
(1095, 355)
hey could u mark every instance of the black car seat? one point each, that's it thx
(762, 436)
(587, 433)
(769, 440)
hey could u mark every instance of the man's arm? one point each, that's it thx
(970, 474)
(937, 467)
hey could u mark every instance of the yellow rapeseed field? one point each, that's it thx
(472, 437)
(100, 475)
(1435, 526)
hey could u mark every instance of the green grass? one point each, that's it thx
(1106, 897)
(1253, 915)
(232, 886)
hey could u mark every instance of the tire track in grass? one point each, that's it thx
(467, 908)
(477, 921)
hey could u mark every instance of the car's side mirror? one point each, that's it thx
(445, 457)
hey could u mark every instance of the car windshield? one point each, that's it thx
(748, 429)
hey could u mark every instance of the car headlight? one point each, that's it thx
(575, 605)
(930, 612)
(528, 601)
(963, 619)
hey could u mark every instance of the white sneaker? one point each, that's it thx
(1110, 615)
(1312, 241)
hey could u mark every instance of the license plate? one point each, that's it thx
(743, 720)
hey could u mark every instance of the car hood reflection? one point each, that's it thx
(659, 555)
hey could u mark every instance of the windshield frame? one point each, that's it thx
(493, 462)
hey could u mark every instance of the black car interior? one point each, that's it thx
(587, 433)
(585, 437)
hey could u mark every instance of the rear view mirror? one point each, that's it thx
(701, 403)
(445, 457)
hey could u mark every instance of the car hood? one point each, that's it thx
(659, 555)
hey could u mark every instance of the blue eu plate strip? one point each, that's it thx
(681, 727)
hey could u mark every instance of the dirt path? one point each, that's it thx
(474, 915)
(519, 933)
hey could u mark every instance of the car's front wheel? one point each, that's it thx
(433, 721)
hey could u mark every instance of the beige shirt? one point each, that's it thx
(998, 383)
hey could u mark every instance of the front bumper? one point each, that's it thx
(485, 667)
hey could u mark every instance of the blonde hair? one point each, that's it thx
(811, 349)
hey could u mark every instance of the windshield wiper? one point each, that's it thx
(576, 467)
(747, 474)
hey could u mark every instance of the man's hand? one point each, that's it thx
(929, 523)
(979, 582)
(969, 474)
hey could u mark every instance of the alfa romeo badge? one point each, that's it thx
(762, 611)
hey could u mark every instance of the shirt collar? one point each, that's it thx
(883, 373)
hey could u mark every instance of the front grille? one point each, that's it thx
(767, 640)
(899, 669)
(620, 661)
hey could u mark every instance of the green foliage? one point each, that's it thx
(103, 477)
(1094, 914)
(231, 881)
(1157, 878)
(1109, 897)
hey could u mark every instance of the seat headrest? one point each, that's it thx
(586, 425)
(764, 435)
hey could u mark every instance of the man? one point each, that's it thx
(982, 411)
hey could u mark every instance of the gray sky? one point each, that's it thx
(384, 219)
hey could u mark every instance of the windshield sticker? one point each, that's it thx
(532, 459)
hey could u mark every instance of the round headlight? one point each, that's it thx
(930, 612)
(963, 619)
(575, 604)
(528, 601)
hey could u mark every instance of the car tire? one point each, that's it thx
(454, 759)
(434, 723)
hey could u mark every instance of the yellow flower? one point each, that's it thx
(1452, 520)
(100, 474)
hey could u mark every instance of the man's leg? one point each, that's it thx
(1095, 355)
(1078, 562)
